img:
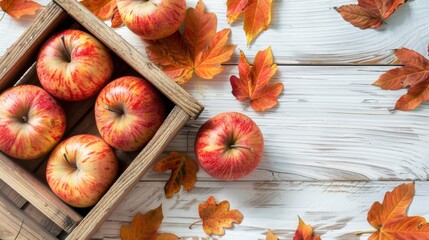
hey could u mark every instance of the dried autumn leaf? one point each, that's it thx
(166, 236)
(200, 27)
(305, 232)
(116, 19)
(200, 50)
(234, 9)
(369, 13)
(257, 15)
(103, 9)
(145, 227)
(172, 56)
(390, 218)
(406, 228)
(414, 74)
(19, 8)
(217, 216)
(253, 83)
(183, 172)
(271, 236)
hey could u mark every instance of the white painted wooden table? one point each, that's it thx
(332, 145)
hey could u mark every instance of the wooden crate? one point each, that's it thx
(24, 193)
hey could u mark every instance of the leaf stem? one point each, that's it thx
(199, 87)
(2, 16)
(65, 48)
(197, 222)
(365, 232)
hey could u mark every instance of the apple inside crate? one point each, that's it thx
(28, 207)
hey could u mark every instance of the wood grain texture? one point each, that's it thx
(37, 193)
(331, 124)
(306, 32)
(312, 32)
(12, 194)
(15, 224)
(335, 209)
(127, 180)
(332, 129)
(42, 220)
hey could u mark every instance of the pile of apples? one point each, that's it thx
(73, 66)
(229, 145)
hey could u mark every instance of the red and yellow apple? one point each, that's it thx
(73, 65)
(229, 146)
(81, 169)
(31, 122)
(152, 19)
(128, 112)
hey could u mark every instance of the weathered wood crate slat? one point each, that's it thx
(19, 222)
(23, 185)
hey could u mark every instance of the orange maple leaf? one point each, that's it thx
(217, 216)
(257, 15)
(200, 49)
(19, 8)
(253, 83)
(234, 9)
(103, 9)
(305, 232)
(183, 172)
(145, 227)
(116, 19)
(369, 13)
(414, 74)
(271, 236)
(390, 219)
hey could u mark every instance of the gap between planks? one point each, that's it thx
(335, 209)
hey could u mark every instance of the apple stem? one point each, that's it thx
(65, 48)
(25, 119)
(67, 159)
(114, 110)
(364, 232)
(197, 222)
(239, 146)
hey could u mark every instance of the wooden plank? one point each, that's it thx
(335, 209)
(331, 124)
(312, 32)
(131, 56)
(37, 194)
(43, 221)
(135, 171)
(305, 32)
(17, 58)
(12, 194)
(18, 225)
